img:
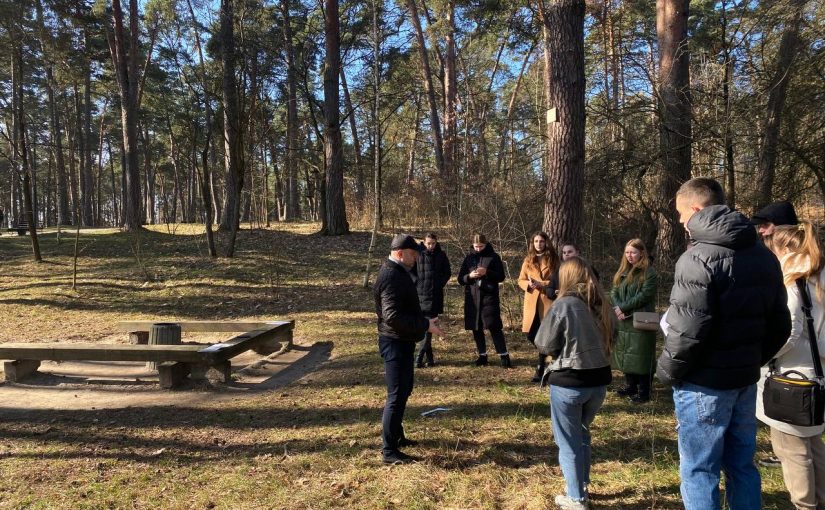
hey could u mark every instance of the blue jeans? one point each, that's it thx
(572, 410)
(398, 374)
(717, 430)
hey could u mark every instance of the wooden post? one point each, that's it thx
(18, 370)
(163, 333)
(138, 337)
(220, 372)
(171, 374)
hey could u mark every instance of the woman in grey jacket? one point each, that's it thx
(578, 333)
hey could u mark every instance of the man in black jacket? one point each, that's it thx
(728, 316)
(401, 323)
(433, 269)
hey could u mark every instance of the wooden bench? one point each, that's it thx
(176, 362)
(21, 227)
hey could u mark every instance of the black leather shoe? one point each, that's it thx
(538, 375)
(405, 441)
(420, 364)
(639, 399)
(481, 361)
(398, 457)
(626, 391)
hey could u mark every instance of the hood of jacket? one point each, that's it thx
(719, 225)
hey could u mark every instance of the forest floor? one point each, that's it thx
(308, 437)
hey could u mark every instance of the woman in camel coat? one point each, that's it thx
(537, 279)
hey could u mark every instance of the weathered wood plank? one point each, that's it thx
(260, 340)
(203, 326)
(104, 352)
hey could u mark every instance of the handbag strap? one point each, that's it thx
(807, 306)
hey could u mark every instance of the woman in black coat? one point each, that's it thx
(481, 272)
(433, 268)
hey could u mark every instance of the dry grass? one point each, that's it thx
(314, 444)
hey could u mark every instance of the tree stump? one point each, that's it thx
(163, 333)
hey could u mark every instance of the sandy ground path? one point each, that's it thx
(95, 385)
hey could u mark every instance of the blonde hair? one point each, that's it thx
(800, 241)
(634, 272)
(577, 278)
(549, 253)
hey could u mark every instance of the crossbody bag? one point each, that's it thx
(790, 396)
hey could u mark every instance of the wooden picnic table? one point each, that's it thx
(176, 362)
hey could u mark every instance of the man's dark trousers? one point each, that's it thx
(398, 373)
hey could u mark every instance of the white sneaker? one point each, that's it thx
(566, 503)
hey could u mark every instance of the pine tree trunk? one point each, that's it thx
(356, 144)
(413, 141)
(450, 98)
(427, 76)
(563, 210)
(778, 88)
(20, 148)
(207, 195)
(378, 213)
(89, 184)
(727, 137)
(293, 202)
(232, 128)
(127, 78)
(675, 123)
(335, 210)
(63, 216)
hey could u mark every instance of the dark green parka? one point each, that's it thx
(635, 350)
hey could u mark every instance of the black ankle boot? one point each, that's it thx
(539, 374)
(482, 360)
(627, 391)
(505, 361)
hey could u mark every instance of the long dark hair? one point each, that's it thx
(549, 254)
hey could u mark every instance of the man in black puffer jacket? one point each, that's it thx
(400, 325)
(433, 268)
(728, 316)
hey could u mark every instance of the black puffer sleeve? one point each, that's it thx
(690, 319)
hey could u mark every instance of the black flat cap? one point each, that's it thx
(403, 242)
(778, 213)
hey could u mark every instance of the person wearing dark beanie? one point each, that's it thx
(773, 215)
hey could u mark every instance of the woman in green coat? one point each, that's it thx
(634, 290)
